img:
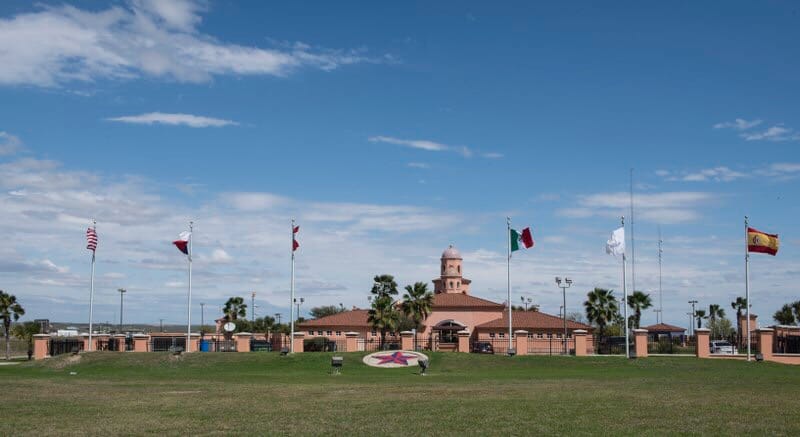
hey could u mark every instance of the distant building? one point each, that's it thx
(44, 325)
(454, 310)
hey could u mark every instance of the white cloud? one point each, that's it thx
(220, 256)
(774, 133)
(493, 155)
(719, 174)
(418, 165)
(9, 144)
(422, 145)
(174, 120)
(253, 201)
(154, 38)
(738, 124)
(666, 208)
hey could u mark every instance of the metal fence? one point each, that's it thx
(426, 343)
(610, 345)
(216, 345)
(550, 346)
(786, 344)
(260, 345)
(672, 345)
(374, 344)
(281, 342)
(499, 345)
(323, 344)
(167, 344)
(59, 346)
(17, 348)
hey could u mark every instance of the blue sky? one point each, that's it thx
(391, 131)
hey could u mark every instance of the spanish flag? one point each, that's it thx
(762, 242)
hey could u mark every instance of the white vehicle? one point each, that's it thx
(722, 347)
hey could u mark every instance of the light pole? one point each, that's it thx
(298, 302)
(161, 325)
(253, 306)
(567, 283)
(121, 293)
(694, 314)
(278, 316)
(525, 301)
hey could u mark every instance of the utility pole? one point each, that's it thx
(694, 314)
(660, 298)
(121, 293)
(278, 316)
(202, 316)
(161, 325)
(253, 307)
(567, 283)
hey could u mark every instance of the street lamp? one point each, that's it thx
(694, 314)
(525, 301)
(298, 302)
(202, 317)
(278, 316)
(121, 292)
(567, 283)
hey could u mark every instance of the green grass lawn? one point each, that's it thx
(263, 393)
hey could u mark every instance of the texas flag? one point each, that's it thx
(182, 243)
(295, 244)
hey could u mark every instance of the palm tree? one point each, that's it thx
(383, 316)
(601, 308)
(740, 305)
(384, 285)
(234, 308)
(715, 313)
(784, 316)
(638, 301)
(700, 315)
(26, 331)
(417, 303)
(9, 309)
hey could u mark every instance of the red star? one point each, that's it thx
(395, 358)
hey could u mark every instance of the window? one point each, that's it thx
(329, 333)
(459, 269)
(558, 335)
(530, 335)
(458, 284)
(451, 284)
(310, 332)
(491, 335)
(540, 335)
(338, 333)
(374, 333)
(549, 335)
(502, 335)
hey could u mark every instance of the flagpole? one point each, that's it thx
(747, 284)
(625, 301)
(189, 301)
(633, 243)
(291, 299)
(508, 278)
(91, 292)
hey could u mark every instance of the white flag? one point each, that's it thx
(616, 245)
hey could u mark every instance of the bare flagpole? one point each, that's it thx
(291, 299)
(189, 301)
(91, 292)
(508, 278)
(633, 243)
(660, 298)
(747, 283)
(625, 301)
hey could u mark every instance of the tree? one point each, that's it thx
(325, 311)
(9, 309)
(417, 303)
(601, 308)
(576, 317)
(700, 315)
(721, 327)
(264, 324)
(638, 301)
(796, 307)
(384, 285)
(740, 305)
(715, 312)
(26, 331)
(784, 316)
(234, 308)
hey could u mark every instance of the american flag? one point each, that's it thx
(91, 239)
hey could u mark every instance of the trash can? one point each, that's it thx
(205, 346)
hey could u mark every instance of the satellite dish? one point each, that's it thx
(229, 327)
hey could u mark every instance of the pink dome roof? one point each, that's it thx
(451, 253)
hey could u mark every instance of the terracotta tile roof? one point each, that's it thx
(347, 318)
(663, 327)
(458, 300)
(533, 320)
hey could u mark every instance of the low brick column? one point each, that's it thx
(640, 343)
(580, 342)
(86, 342)
(141, 343)
(407, 340)
(703, 347)
(242, 341)
(194, 343)
(463, 341)
(351, 341)
(521, 341)
(98, 339)
(40, 343)
(297, 342)
(120, 339)
(765, 339)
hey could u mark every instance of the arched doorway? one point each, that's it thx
(448, 330)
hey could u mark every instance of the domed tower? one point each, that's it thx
(451, 279)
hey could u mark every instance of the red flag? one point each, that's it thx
(295, 244)
(182, 243)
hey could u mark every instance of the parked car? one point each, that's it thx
(722, 347)
(482, 348)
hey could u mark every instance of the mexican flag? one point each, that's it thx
(522, 239)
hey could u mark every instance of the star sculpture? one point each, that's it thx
(395, 358)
